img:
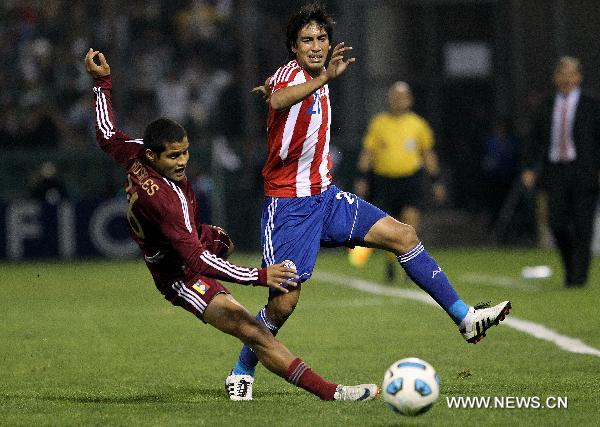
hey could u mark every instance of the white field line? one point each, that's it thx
(536, 330)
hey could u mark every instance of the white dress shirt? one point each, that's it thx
(571, 99)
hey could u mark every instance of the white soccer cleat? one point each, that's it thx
(480, 318)
(356, 392)
(239, 387)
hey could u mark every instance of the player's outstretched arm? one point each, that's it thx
(94, 69)
(118, 145)
(288, 96)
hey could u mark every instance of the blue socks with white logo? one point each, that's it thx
(425, 272)
(247, 361)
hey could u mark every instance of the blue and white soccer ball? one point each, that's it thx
(410, 386)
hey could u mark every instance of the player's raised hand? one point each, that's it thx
(337, 63)
(279, 274)
(94, 69)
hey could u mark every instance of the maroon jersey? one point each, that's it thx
(163, 214)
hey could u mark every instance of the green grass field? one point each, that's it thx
(93, 343)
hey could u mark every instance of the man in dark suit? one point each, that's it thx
(564, 151)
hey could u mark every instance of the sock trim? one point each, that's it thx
(458, 311)
(262, 314)
(297, 372)
(414, 252)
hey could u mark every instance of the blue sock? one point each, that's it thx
(426, 273)
(247, 361)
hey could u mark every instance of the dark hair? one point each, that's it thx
(309, 12)
(162, 131)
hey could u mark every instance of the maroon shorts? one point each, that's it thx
(195, 294)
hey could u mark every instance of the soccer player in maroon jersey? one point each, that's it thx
(186, 258)
(303, 210)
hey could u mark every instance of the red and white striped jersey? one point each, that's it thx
(298, 162)
(163, 214)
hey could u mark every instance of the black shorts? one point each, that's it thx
(394, 194)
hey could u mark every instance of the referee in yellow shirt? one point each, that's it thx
(397, 151)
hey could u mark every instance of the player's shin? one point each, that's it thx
(247, 360)
(428, 275)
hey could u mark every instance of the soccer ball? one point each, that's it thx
(410, 386)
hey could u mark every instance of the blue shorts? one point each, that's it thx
(295, 228)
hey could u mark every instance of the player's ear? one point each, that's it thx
(150, 155)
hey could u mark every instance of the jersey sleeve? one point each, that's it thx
(177, 226)
(290, 74)
(119, 146)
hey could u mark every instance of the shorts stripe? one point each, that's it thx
(268, 253)
(190, 297)
(354, 222)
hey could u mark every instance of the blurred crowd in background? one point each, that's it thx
(173, 58)
(180, 58)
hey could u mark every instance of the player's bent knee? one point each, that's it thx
(392, 235)
(408, 238)
(403, 238)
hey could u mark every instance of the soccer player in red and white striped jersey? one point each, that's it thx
(298, 162)
(185, 257)
(303, 210)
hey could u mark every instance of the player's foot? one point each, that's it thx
(480, 318)
(239, 387)
(356, 392)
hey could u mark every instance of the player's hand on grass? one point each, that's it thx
(94, 69)
(279, 274)
(337, 64)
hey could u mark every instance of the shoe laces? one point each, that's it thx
(242, 388)
(482, 305)
(239, 388)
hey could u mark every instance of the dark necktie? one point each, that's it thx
(563, 137)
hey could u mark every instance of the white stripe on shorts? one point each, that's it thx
(268, 254)
(189, 296)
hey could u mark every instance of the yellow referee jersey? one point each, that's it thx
(396, 143)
